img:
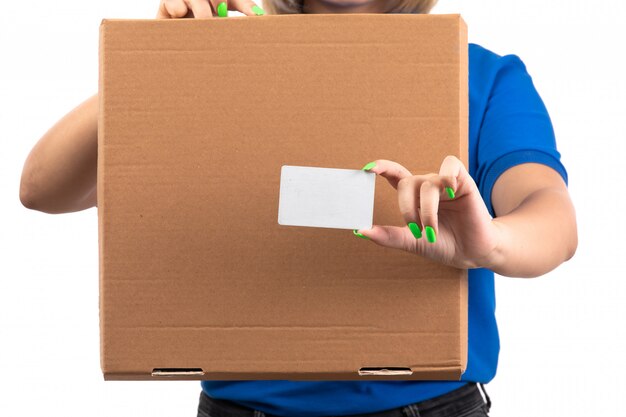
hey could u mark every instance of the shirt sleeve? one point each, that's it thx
(515, 129)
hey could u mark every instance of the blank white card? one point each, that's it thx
(326, 197)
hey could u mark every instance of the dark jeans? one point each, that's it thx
(466, 401)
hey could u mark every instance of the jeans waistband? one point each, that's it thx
(449, 404)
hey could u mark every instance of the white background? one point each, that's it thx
(563, 335)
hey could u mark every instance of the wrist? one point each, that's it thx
(496, 259)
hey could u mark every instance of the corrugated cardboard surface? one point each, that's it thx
(196, 119)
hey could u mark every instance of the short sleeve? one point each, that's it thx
(515, 129)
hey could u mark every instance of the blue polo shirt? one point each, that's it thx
(508, 125)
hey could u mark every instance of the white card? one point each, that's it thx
(326, 197)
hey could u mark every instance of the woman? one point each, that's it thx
(509, 212)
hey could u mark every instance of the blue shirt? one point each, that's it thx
(508, 125)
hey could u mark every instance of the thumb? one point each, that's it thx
(394, 237)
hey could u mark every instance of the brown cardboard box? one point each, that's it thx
(197, 279)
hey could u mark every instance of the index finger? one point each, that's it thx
(390, 170)
(200, 8)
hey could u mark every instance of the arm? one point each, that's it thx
(59, 175)
(535, 219)
(535, 230)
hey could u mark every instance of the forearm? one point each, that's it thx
(537, 236)
(59, 174)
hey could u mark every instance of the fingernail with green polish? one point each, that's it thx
(362, 236)
(430, 234)
(222, 9)
(257, 10)
(369, 166)
(415, 229)
(450, 192)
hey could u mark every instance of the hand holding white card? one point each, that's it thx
(326, 197)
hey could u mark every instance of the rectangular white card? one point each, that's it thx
(326, 197)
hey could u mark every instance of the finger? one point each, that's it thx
(172, 9)
(430, 194)
(390, 236)
(408, 203)
(462, 182)
(200, 8)
(220, 7)
(247, 7)
(392, 171)
(449, 172)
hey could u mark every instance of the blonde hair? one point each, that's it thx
(397, 6)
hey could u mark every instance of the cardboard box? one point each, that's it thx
(197, 279)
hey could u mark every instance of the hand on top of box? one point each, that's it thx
(172, 9)
(446, 207)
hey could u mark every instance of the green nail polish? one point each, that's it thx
(362, 236)
(257, 10)
(430, 234)
(369, 166)
(415, 229)
(450, 192)
(222, 9)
